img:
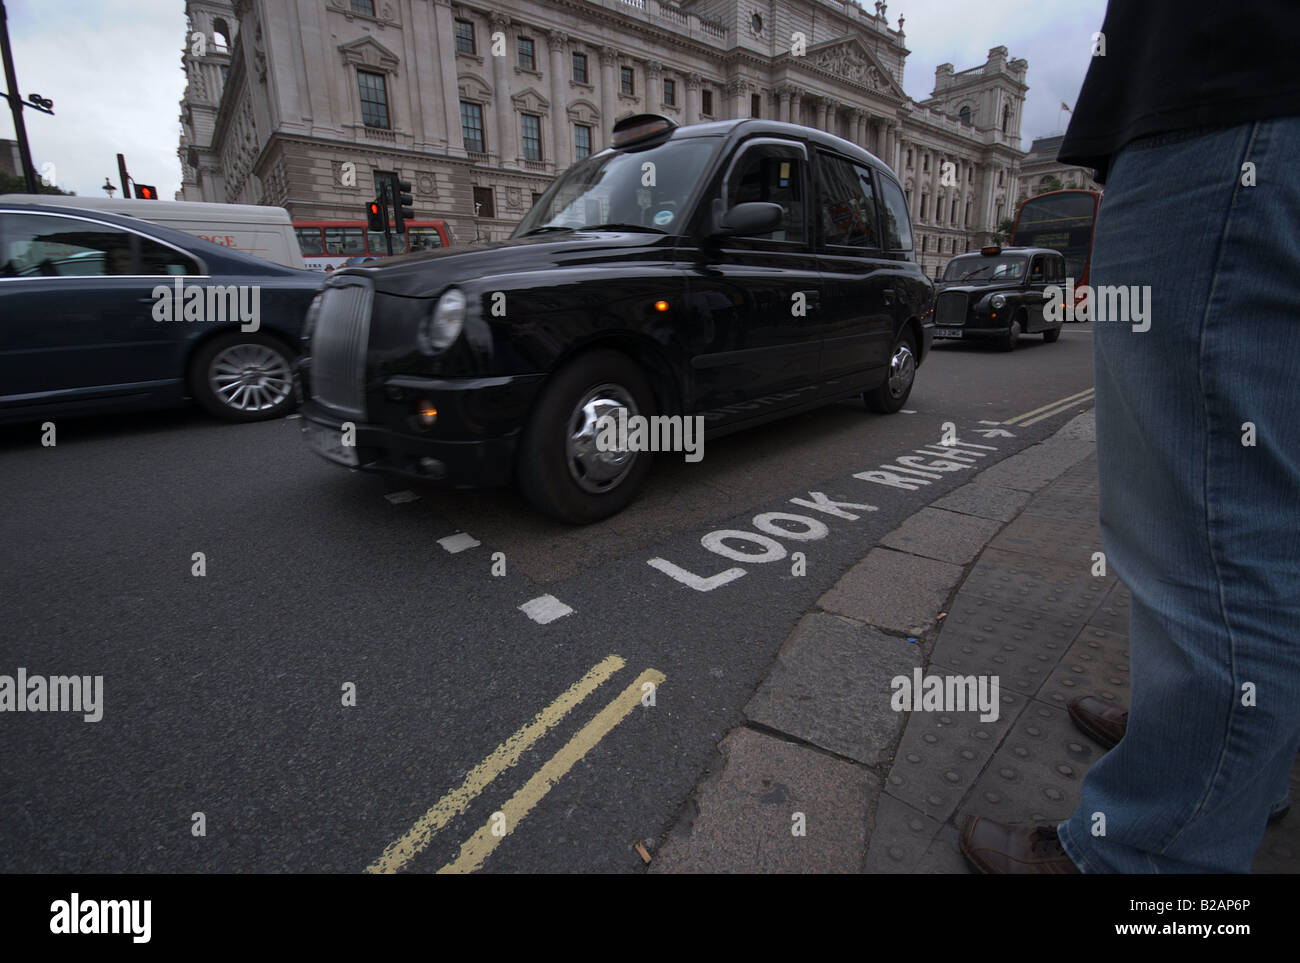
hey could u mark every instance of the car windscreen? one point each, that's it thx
(999, 268)
(629, 190)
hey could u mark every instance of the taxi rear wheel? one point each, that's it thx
(1050, 335)
(892, 394)
(560, 468)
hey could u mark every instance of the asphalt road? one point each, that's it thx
(473, 743)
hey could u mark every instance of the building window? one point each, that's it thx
(706, 103)
(365, 7)
(471, 127)
(527, 54)
(925, 162)
(465, 37)
(1006, 119)
(925, 243)
(581, 141)
(964, 115)
(225, 73)
(755, 105)
(531, 127)
(483, 205)
(580, 68)
(374, 99)
(925, 200)
(670, 93)
(909, 157)
(537, 196)
(221, 35)
(628, 81)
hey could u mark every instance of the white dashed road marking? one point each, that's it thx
(545, 609)
(459, 542)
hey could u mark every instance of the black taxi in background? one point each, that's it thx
(737, 271)
(998, 293)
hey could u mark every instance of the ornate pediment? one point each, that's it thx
(473, 88)
(368, 52)
(584, 112)
(530, 101)
(851, 61)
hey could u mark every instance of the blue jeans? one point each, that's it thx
(1203, 529)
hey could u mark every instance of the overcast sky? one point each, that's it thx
(112, 68)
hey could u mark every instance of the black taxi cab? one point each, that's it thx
(998, 293)
(734, 272)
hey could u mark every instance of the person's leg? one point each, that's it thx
(1203, 529)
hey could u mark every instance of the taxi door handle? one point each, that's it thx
(889, 295)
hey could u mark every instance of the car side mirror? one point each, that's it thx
(753, 217)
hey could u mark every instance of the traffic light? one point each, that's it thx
(402, 201)
(146, 192)
(375, 215)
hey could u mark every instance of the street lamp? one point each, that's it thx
(108, 188)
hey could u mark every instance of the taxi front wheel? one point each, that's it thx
(561, 467)
(891, 395)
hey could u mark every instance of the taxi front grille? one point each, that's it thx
(950, 310)
(338, 346)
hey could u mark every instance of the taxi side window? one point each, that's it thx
(1036, 275)
(773, 173)
(847, 203)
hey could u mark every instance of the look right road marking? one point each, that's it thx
(418, 837)
(481, 845)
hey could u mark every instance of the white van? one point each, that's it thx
(265, 232)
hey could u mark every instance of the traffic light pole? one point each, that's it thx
(16, 103)
(388, 228)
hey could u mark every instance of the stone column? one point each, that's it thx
(737, 89)
(693, 82)
(561, 149)
(796, 106)
(608, 94)
(783, 100)
(447, 67)
(821, 113)
(503, 107)
(653, 94)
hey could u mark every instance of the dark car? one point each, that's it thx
(736, 271)
(101, 312)
(998, 293)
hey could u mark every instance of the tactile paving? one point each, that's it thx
(941, 754)
(1036, 773)
(1051, 538)
(1113, 612)
(900, 837)
(1035, 584)
(1095, 664)
(1020, 652)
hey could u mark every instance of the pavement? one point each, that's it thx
(999, 578)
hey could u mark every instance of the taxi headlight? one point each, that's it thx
(998, 302)
(444, 323)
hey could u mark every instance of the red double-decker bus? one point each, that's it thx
(334, 244)
(1063, 221)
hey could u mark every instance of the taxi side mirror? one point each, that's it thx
(753, 217)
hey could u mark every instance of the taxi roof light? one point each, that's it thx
(639, 127)
(993, 250)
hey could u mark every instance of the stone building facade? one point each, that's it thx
(298, 103)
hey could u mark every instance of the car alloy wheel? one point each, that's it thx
(594, 470)
(250, 378)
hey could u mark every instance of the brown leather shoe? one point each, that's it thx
(1098, 720)
(1001, 848)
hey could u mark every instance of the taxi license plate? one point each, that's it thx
(328, 442)
(948, 332)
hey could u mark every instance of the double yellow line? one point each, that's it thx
(1053, 408)
(474, 851)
